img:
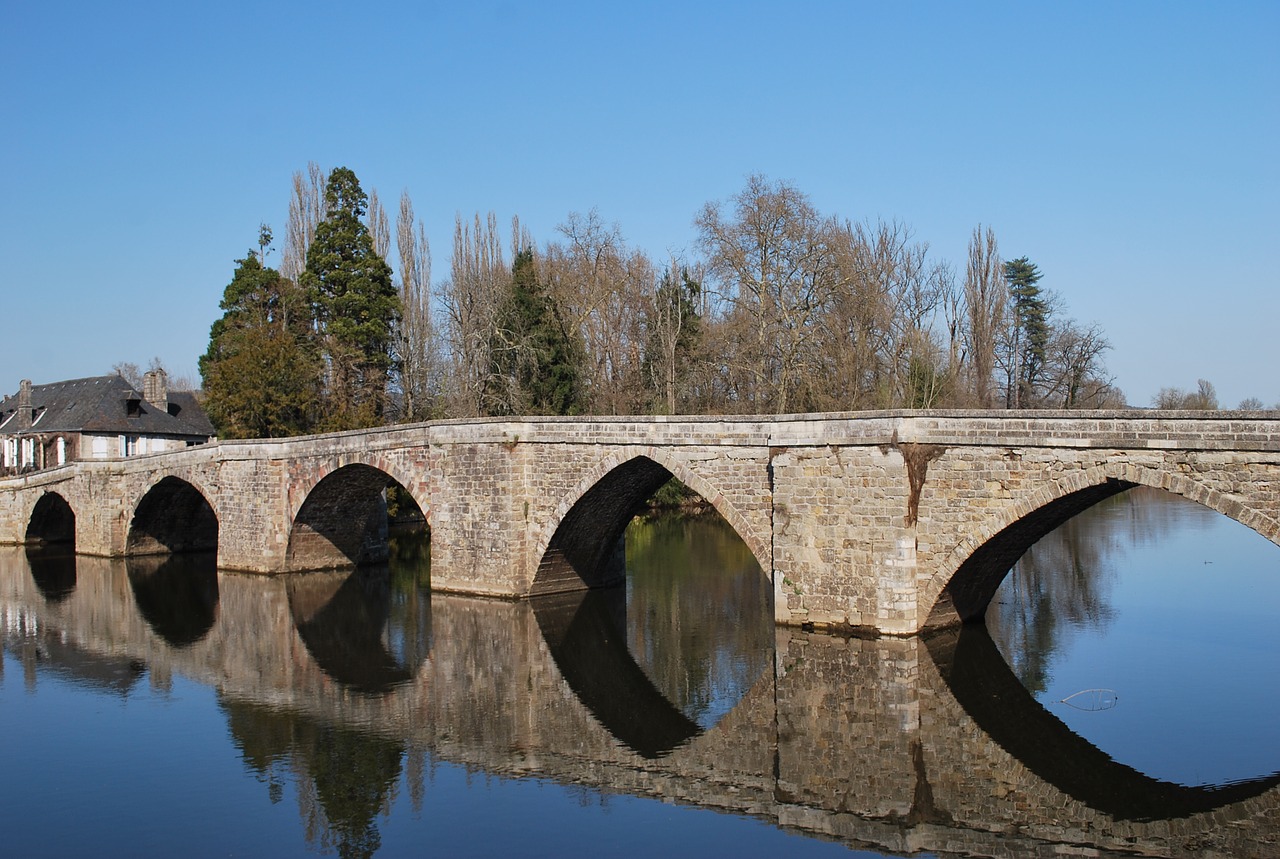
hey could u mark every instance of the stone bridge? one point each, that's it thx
(895, 521)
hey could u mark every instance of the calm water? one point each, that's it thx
(159, 708)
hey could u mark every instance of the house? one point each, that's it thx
(103, 417)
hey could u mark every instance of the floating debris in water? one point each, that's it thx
(1092, 700)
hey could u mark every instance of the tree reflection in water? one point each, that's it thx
(699, 612)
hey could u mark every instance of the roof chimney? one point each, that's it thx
(155, 389)
(23, 416)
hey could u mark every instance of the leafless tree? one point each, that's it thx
(306, 211)
(379, 227)
(985, 296)
(417, 344)
(775, 261)
(471, 300)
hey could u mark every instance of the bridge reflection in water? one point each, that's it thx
(897, 745)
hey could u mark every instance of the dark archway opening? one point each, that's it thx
(967, 596)
(586, 549)
(346, 519)
(52, 522)
(177, 595)
(173, 517)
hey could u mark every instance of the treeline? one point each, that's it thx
(783, 309)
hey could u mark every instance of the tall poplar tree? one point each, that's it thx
(356, 306)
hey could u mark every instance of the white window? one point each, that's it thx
(10, 452)
(99, 447)
(129, 445)
(61, 450)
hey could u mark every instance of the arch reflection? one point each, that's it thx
(341, 618)
(588, 645)
(991, 694)
(53, 569)
(177, 595)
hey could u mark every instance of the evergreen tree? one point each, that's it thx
(1031, 330)
(355, 304)
(535, 363)
(261, 372)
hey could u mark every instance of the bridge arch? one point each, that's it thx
(340, 518)
(52, 520)
(962, 588)
(574, 546)
(173, 515)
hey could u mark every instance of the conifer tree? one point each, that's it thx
(536, 364)
(261, 372)
(1031, 330)
(356, 306)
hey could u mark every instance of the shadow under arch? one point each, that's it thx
(52, 521)
(341, 617)
(986, 688)
(583, 549)
(172, 517)
(343, 520)
(586, 641)
(176, 595)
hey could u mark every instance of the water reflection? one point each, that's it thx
(586, 641)
(340, 617)
(345, 778)
(896, 746)
(177, 594)
(1172, 607)
(699, 612)
(53, 568)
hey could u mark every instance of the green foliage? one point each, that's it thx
(1031, 318)
(536, 362)
(355, 305)
(261, 372)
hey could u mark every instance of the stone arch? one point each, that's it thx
(574, 547)
(173, 515)
(962, 588)
(342, 519)
(52, 521)
(300, 489)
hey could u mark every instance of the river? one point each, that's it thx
(160, 706)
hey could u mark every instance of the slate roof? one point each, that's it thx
(101, 404)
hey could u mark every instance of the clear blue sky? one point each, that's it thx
(1129, 149)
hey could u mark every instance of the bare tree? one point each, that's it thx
(379, 228)
(417, 345)
(775, 261)
(1074, 373)
(306, 211)
(471, 300)
(602, 290)
(985, 297)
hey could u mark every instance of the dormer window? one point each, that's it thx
(133, 407)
